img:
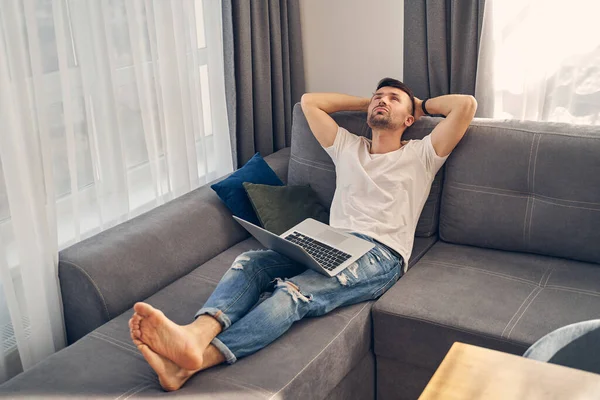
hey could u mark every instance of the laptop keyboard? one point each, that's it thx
(327, 256)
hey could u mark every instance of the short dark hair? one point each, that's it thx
(391, 82)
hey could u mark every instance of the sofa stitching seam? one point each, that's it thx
(529, 163)
(93, 283)
(131, 389)
(518, 310)
(432, 225)
(131, 346)
(500, 339)
(529, 189)
(532, 193)
(326, 165)
(530, 218)
(203, 278)
(139, 390)
(564, 205)
(522, 196)
(321, 352)
(539, 133)
(537, 150)
(245, 385)
(517, 193)
(525, 222)
(533, 196)
(313, 166)
(469, 268)
(568, 289)
(524, 311)
(116, 345)
(491, 188)
(550, 271)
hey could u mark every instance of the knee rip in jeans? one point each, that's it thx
(237, 263)
(293, 290)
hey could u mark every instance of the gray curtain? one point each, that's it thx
(228, 61)
(441, 43)
(264, 74)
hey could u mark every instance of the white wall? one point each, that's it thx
(350, 44)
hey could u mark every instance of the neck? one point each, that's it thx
(385, 141)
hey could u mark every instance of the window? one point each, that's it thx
(113, 107)
(76, 157)
(540, 61)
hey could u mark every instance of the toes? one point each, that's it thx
(148, 354)
(136, 319)
(138, 342)
(134, 338)
(143, 309)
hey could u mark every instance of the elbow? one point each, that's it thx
(306, 99)
(470, 105)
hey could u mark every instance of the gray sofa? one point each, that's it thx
(506, 250)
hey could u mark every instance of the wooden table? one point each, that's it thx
(471, 372)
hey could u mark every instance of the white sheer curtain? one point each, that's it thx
(540, 60)
(108, 108)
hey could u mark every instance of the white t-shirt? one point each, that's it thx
(381, 195)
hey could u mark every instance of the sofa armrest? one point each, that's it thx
(103, 276)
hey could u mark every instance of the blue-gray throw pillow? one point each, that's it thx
(232, 193)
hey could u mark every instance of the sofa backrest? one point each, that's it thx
(525, 186)
(310, 164)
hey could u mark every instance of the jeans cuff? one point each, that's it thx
(216, 314)
(230, 358)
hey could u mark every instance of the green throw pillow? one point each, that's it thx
(281, 207)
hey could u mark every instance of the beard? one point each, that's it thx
(381, 121)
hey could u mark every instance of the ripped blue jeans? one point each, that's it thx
(298, 292)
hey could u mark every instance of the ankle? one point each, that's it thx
(212, 357)
(206, 325)
(184, 374)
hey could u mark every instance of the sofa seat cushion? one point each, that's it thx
(496, 299)
(308, 362)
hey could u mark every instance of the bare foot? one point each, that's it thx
(170, 375)
(183, 345)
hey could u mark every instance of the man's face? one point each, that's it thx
(389, 109)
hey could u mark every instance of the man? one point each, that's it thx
(382, 186)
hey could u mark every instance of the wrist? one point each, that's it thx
(418, 111)
(424, 107)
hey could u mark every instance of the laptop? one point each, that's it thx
(314, 244)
